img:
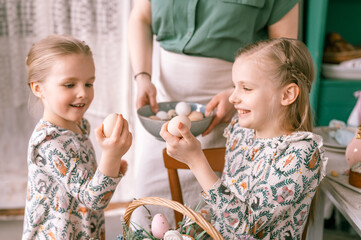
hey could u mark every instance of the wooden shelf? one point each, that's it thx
(331, 98)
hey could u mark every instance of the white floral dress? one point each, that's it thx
(66, 193)
(267, 184)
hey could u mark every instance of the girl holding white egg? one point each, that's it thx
(274, 162)
(61, 157)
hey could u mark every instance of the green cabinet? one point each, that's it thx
(331, 98)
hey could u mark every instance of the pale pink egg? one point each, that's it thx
(173, 125)
(154, 117)
(195, 116)
(159, 225)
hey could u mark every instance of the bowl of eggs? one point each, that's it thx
(190, 114)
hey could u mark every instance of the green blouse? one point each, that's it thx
(214, 28)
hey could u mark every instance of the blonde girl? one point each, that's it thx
(273, 161)
(67, 191)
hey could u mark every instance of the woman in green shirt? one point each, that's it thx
(191, 60)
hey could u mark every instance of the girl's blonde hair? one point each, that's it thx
(287, 61)
(45, 52)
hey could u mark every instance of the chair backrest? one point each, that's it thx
(215, 157)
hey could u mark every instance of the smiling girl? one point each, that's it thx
(274, 162)
(67, 191)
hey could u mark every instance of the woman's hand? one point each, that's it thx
(225, 110)
(146, 93)
(114, 147)
(187, 149)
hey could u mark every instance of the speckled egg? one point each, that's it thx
(182, 109)
(171, 113)
(109, 123)
(162, 115)
(173, 125)
(195, 116)
(159, 225)
(172, 235)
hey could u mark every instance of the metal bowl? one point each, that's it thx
(154, 126)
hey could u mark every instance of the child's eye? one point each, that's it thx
(89, 85)
(70, 85)
(246, 89)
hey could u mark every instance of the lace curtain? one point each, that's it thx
(100, 23)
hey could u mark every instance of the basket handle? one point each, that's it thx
(196, 217)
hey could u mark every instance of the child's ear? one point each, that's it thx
(290, 94)
(36, 89)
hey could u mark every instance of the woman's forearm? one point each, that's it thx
(140, 37)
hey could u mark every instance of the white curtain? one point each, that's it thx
(100, 23)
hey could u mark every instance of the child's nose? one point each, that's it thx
(234, 97)
(82, 92)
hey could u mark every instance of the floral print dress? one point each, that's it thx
(66, 193)
(267, 184)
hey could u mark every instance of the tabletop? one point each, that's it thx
(342, 196)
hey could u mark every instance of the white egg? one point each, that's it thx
(183, 109)
(109, 123)
(173, 125)
(195, 116)
(187, 237)
(162, 115)
(172, 235)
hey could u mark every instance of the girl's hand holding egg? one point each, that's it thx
(115, 140)
(180, 142)
(114, 136)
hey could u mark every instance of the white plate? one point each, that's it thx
(328, 141)
(343, 180)
(340, 72)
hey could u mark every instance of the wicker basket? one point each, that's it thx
(196, 217)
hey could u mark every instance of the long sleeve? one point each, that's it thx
(66, 194)
(267, 187)
(73, 166)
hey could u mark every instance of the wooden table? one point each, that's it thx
(347, 201)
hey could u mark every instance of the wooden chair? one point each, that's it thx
(215, 157)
